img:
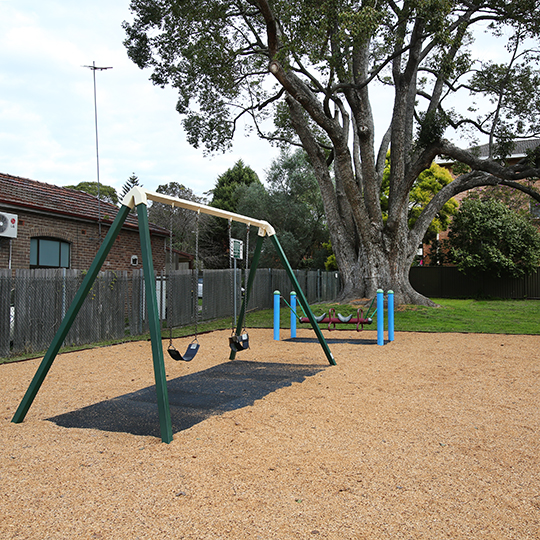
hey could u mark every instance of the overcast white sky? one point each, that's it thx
(47, 130)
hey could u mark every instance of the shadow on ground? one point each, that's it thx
(192, 398)
(330, 341)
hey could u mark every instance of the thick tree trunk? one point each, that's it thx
(358, 283)
(380, 267)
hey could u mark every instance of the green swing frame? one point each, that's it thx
(138, 198)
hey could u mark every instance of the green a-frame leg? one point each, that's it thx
(165, 425)
(296, 286)
(155, 331)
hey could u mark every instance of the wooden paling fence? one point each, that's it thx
(34, 302)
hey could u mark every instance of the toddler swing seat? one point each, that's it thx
(239, 343)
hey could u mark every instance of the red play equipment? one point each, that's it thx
(334, 318)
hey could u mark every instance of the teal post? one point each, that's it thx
(303, 300)
(165, 424)
(277, 297)
(70, 316)
(293, 314)
(390, 315)
(380, 317)
(249, 286)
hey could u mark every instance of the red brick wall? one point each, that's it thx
(84, 241)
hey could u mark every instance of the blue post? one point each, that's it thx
(380, 317)
(293, 314)
(390, 315)
(276, 315)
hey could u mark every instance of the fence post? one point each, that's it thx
(390, 315)
(380, 317)
(276, 315)
(293, 314)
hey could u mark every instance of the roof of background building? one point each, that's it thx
(30, 195)
(519, 150)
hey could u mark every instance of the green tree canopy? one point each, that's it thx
(292, 203)
(426, 186)
(223, 194)
(515, 200)
(215, 233)
(317, 67)
(106, 193)
(487, 237)
(181, 221)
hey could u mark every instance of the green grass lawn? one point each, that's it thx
(475, 316)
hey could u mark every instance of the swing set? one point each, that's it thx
(138, 198)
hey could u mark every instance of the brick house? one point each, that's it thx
(55, 227)
(520, 151)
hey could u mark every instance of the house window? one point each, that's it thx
(49, 253)
(535, 208)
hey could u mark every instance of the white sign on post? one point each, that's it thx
(237, 249)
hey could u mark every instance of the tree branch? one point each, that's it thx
(519, 171)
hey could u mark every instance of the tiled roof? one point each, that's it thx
(38, 196)
(519, 151)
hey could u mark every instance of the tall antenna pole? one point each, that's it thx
(94, 69)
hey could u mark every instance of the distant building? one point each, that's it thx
(47, 226)
(519, 152)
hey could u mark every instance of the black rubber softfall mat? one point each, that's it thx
(192, 398)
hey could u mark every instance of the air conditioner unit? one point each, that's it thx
(8, 225)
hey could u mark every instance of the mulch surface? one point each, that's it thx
(431, 436)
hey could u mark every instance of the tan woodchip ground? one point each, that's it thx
(431, 436)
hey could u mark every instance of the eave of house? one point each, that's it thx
(520, 151)
(18, 193)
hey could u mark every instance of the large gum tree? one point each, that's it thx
(314, 66)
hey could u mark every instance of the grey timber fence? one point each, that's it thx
(318, 286)
(39, 300)
(34, 302)
(6, 313)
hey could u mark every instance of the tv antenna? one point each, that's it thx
(95, 68)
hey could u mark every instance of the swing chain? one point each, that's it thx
(237, 342)
(169, 277)
(246, 271)
(194, 345)
(196, 277)
(233, 277)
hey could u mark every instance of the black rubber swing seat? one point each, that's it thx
(239, 343)
(189, 354)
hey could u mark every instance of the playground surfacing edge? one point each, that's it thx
(431, 436)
